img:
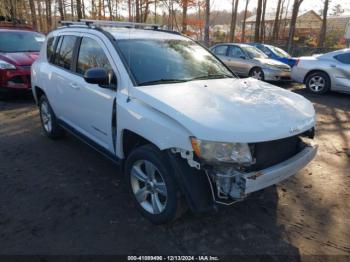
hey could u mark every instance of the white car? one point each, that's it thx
(322, 73)
(181, 126)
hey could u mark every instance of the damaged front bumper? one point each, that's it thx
(235, 185)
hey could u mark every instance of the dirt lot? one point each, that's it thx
(64, 198)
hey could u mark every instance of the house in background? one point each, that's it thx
(347, 34)
(308, 24)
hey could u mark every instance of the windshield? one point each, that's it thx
(280, 52)
(253, 52)
(20, 41)
(168, 61)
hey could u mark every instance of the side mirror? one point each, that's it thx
(97, 76)
(242, 57)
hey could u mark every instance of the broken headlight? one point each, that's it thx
(238, 153)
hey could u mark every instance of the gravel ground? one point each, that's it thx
(61, 197)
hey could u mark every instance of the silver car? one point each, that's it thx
(322, 73)
(246, 60)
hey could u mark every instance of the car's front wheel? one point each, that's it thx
(257, 73)
(318, 83)
(48, 119)
(152, 184)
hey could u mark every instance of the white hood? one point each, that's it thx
(231, 110)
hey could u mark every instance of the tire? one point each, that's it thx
(156, 196)
(49, 120)
(257, 73)
(318, 83)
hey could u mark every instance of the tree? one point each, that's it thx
(33, 14)
(207, 22)
(244, 20)
(338, 10)
(275, 30)
(293, 22)
(233, 19)
(322, 38)
(262, 31)
(60, 9)
(258, 22)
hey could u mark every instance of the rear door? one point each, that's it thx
(95, 104)
(341, 69)
(62, 74)
(238, 61)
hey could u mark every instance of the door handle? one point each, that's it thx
(333, 66)
(74, 86)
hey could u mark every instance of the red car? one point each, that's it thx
(19, 48)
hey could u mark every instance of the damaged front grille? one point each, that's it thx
(274, 152)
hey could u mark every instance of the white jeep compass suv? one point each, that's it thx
(183, 128)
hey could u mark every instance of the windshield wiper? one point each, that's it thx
(162, 81)
(211, 77)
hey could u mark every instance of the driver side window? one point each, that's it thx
(236, 52)
(91, 55)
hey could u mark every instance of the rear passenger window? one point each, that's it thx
(91, 55)
(343, 58)
(64, 51)
(221, 50)
(50, 48)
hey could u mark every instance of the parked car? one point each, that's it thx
(182, 127)
(246, 60)
(322, 73)
(276, 53)
(18, 50)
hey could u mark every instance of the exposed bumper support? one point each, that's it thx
(258, 180)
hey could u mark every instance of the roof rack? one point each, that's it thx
(106, 23)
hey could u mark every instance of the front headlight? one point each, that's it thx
(6, 65)
(238, 153)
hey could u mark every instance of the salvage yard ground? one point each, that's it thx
(61, 197)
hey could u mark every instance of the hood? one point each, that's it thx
(272, 62)
(231, 110)
(20, 59)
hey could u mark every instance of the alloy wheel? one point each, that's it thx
(46, 116)
(149, 187)
(317, 84)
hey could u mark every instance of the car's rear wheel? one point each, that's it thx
(48, 119)
(318, 83)
(152, 185)
(257, 73)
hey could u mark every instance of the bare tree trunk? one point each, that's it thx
(79, 13)
(155, 11)
(60, 9)
(129, 10)
(72, 8)
(137, 11)
(233, 19)
(48, 15)
(184, 15)
(322, 39)
(83, 9)
(38, 3)
(244, 20)
(258, 22)
(33, 14)
(262, 32)
(276, 22)
(145, 14)
(293, 21)
(110, 9)
(207, 23)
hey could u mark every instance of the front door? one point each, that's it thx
(95, 103)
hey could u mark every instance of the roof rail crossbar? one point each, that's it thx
(107, 23)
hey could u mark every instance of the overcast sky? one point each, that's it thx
(316, 5)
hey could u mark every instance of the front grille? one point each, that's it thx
(274, 152)
(17, 80)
